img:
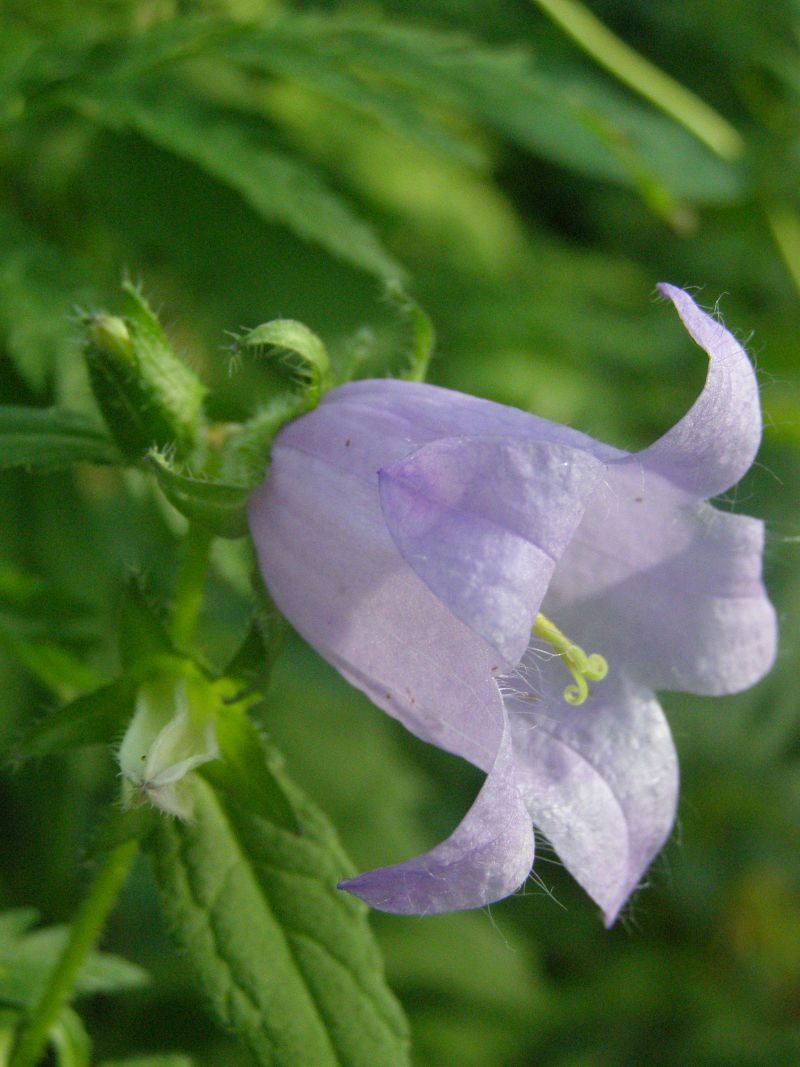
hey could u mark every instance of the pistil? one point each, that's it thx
(583, 668)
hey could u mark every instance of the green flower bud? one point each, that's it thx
(147, 395)
(171, 734)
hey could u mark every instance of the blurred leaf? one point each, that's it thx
(51, 439)
(34, 608)
(577, 121)
(95, 718)
(50, 664)
(286, 960)
(643, 77)
(40, 284)
(255, 657)
(28, 956)
(288, 48)
(280, 187)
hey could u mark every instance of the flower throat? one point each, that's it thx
(583, 668)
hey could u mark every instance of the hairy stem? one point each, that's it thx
(192, 569)
(84, 932)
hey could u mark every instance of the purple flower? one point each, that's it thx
(453, 558)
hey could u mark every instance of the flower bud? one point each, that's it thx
(171, 734)
(147, 395)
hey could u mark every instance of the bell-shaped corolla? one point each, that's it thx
(514, 592)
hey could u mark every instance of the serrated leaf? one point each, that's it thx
(94, 718)
(561, 114)
(218, 506)
(51, 439)
(286, 960)
(231, 148)
(285, 49)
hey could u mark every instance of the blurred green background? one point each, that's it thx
(246, 160)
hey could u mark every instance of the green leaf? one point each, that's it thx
(218, 506)
(286, 960)
(50, 664)
(95, 718)
(278, 186)
(573, 119)
(27, 959)
(38, 607)
(51, 439)
(39, 288)
(286, 49)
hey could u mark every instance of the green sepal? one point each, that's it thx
(217, 506)
(423, 334)
(147, 395)
(297, 349)
(287, 961)
(95, 718)
(244, 454)
(51, 439)
(245, 771)
(253, 661)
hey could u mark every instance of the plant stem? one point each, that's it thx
(644, 77)
(192, 569)
(84, 932)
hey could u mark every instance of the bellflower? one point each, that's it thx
(513, 591)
